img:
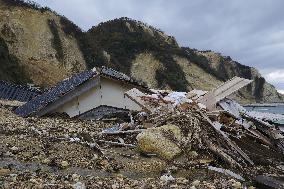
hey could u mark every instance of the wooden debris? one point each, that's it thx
(123, 132)
(270, 130)
(211, 98)
(135, 95)
(226, 172)
(220, 153)
(269, 182)
(229, 142)
(117, 143)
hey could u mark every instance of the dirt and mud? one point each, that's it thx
(60, 152)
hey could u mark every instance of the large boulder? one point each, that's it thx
(161, 140)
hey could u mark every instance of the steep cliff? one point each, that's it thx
(151, 56)
(36, 44)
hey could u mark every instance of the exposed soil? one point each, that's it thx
(60, 153)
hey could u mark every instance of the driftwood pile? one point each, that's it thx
(242, 144)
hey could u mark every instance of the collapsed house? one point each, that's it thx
(170, 99)
(224, 136)
(248, 143)
(87, 95)
(15, 92)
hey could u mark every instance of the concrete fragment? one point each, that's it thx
(14, 148)
(251, 187)
(195, 183)
(237, 185)
(167, 178)
(160, 141)
(79, 185)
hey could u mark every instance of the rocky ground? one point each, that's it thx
(68, 153)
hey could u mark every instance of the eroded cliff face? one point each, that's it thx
(156, 59)
(225, 68)
(44, 53)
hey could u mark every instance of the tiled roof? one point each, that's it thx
(20, 93)
(109, 72)
(67, 86)
(101, 111)
(54, 93)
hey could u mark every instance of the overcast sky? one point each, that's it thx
(250, 31)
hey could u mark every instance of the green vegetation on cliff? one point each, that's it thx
(11, 68)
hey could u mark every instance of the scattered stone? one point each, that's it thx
(192, 154)
(46, 161)
(79, 185)
(4, 172)
(75, 177)
(251, 187)
(95, 157)
(13, 177)
(167, 178)
(8, 154)
(34, 181)
(115, 186)
(236, 184)
(174, 186)
(64, 164)
(195, 183)
(14, 149)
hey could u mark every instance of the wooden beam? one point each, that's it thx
(228, 140)
(211, 98)
(135, 95)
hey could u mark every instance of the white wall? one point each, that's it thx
(109, 92)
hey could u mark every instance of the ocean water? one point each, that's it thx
(276, 109)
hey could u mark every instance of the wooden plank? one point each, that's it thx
(123, 132)
(135, 95)
(219, 95)
(117, 143)
(226, 172)
(228, 140)
(269, 182)
(227, 84)
(210, 99)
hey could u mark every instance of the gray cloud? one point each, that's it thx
(251, 32)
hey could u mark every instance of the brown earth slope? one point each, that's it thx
(36, 46)
(153, 57)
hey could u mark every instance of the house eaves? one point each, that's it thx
(54, 93)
